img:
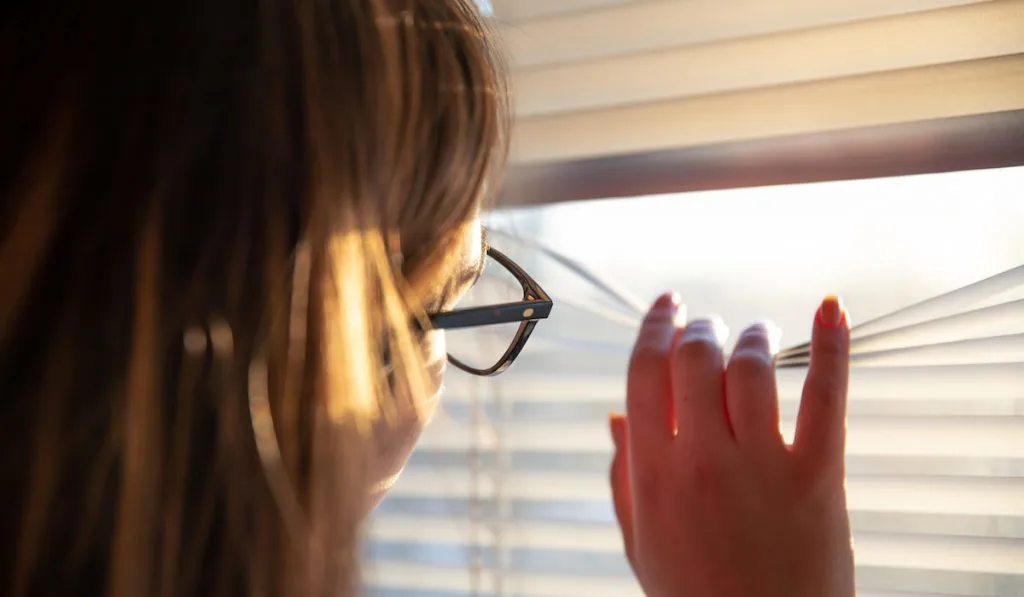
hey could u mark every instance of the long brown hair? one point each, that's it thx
(220, 215)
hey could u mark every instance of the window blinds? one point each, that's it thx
(507, 494)
(594, 78)
(935, 459)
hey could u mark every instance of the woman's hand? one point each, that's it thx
(711, 500)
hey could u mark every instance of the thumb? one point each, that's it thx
(622, 493)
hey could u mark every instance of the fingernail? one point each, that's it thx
(713, 325)
(668, 305)
(669, 299)
(771, 331)
(831, 313)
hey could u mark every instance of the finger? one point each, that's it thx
(648, 391)
(821, 423)
(751, 398)
(697, 372)
(622, 494)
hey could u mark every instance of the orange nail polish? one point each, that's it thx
(831, 313)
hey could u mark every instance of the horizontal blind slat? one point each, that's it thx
(582, 514)
(976, 382)
(401, 575)
(516, 11)
(971, 32)
(971, 554)
(938, 495)
(995, 437)
(528, 583)
(942, 91)
(596, 462)
(630, 27)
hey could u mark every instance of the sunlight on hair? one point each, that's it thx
(194, 340)
(222, 339)
(259, 412)
(347, 343)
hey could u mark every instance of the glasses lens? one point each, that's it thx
(483, 346)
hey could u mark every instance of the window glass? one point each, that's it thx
(507, 494)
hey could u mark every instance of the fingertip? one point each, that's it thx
(617, 425)
(667, 299)
(668, 310)
(831, 314)
(711, 328)
(763, 331)
(831, 335)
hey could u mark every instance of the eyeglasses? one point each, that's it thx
(490, 325)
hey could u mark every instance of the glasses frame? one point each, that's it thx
(536, 305)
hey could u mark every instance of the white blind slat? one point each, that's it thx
(993, 437)
(507, 11)
(948, 90)
(411, 580)
(926, 495)
(1004, 318)
(968, 33)
(644, 76)
(873, 549)
(619, 28)
(458, 582)
(989, 382)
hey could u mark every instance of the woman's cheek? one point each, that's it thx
(397, 437)
(396, 443)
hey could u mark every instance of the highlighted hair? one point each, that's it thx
(217, 219)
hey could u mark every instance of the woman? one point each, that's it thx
(227, 228)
